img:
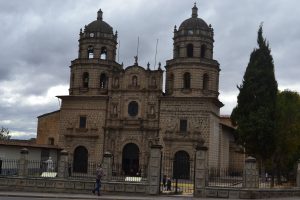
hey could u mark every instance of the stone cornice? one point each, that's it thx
(216, 101)
(192, 61)
(83, 97)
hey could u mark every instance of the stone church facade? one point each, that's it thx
(124, 111)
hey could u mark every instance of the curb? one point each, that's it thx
(86, 196)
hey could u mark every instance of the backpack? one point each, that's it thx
(99, 173)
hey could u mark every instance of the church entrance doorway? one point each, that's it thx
(181, 166)
(177, 173)
(130, 159)
(80, 160)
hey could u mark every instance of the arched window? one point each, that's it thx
(205, 82)
(80, 160)
(85, 79)
(51, 140)
(103, 54)
(187, 80)
(90, 52)
(133, 108)
(103, 80)
(203, 51)
(181, 165)
(190, 50)
(134, 81)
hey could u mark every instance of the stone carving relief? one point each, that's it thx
(170, 125)
(70, 124)
(199, 125)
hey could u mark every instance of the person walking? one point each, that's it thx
(164, 181)
(169, 184)
(99, 175)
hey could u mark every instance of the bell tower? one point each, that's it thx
(96, 58)
(193, 71)
(190, 109)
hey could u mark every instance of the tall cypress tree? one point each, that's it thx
(254, 114)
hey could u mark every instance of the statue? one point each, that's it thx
(135, 60)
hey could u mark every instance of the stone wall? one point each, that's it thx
(213, 145)
(67, 185)
(48, 127)
(195, 112)
(228, 193)
(92, 136)
(197, 72)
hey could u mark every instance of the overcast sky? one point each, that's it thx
(39, 38)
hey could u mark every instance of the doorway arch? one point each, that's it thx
(181, 165)
(130, 159)
(80, 159)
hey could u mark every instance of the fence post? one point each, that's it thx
(63, 164)
(250, 177)
(107, 166)
(154, 169)
(200, 178)
(298, 173)
(23, 162)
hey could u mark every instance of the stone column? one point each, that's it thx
(107, 166)
(250, 177)
(298, 173)
(23, 162)
(200, 171)
(63, 164)
(154, 169)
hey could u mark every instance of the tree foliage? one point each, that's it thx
(254, 114)
(287, 131)
(4, 134)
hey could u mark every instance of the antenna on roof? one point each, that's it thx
(137, 48)
(155, 53)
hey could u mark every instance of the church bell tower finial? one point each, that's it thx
(99, 16)
(194, 11)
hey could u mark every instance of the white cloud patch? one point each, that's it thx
(229, 100)
(5, 122)
(22, 135)
(292, 87)
(49, 97)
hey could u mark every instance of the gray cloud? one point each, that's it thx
(40, 38)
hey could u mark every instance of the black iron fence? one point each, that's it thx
(82, 170)
(119, 174)
(218, 177)
(9, 167)
(177, 175)
(38, 168)
(88, 171)
(278, 182)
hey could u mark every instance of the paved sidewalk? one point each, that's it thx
(110, 196)
(91, 196)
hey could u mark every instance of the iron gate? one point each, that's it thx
(177, 174)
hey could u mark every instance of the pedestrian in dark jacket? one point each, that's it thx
(99, 175)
